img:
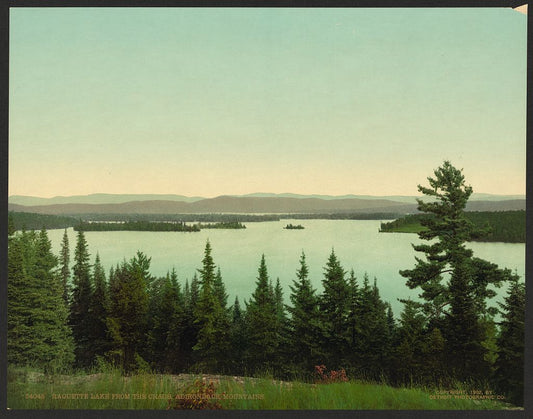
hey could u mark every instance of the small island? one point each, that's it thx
(294, 227)
(227, 225)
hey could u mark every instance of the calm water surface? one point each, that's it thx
(357, 244)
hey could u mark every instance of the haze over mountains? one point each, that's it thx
(397, 198)
(251, 203)
(99, 198)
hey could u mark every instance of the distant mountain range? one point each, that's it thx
(98, 198)
(397, 198)
(264, 203)
(102, 198)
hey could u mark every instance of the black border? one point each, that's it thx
(4, 133)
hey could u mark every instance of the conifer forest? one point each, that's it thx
(67, 314)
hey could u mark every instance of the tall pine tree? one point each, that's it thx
(464, 331)
(79, 307)
(38, 334)
(99, 310)
(304, 323)
(22, 302)
(454, 284)
(282, 335)
(334, 306)
(64, 261)
(261, 321)
(408, 359)
(173, 308)
(238, 338)
(373, 332)
(353, 323)
(220, 290)
(57, 349)
(128, 311)
(189, 335)
(165, 321)
(212, 346)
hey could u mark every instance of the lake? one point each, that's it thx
(357, 244)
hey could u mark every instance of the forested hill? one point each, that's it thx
(503, 226)
(32, 221)
(229, 204)
(226, 204)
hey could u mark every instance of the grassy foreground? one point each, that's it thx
(31, 390)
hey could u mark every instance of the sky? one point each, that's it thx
(208, 102)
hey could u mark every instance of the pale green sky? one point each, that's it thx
(233, 101)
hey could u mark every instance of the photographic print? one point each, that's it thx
(266, 208)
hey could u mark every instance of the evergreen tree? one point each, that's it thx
(64, 261)
(211, 319)
(282, 335)
(372, 332)
(391, 332)
(22, 298)
(189, 336)
(464, 332)
(165, 320)
(490, 331)
(261, 321)
(128, 311)
(433, 360)
(38, 334)
(186, 292)
(57, 349)
(509, 374)
(194, 292)
(353, 323)
(334, 306)
(391, 324)
(238, 338)
(454, 284)
(112, 285)
(304, 323)
(99, 310)
(153, 351)
(79, 308)
(449, 229)
(280, 307)
(408, 353)
(140, 266)
(173, 308)
(220, 290)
